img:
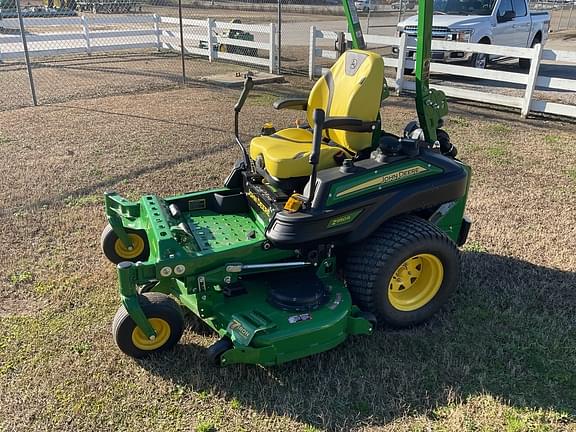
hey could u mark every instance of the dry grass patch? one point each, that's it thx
(499, 357)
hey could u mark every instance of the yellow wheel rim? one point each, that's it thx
(162, 329)
(415, 282)
(132, 252)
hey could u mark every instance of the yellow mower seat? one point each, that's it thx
(287, 151)
(351, 88)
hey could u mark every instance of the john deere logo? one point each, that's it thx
(383, 180)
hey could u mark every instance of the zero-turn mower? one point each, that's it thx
(320, 232)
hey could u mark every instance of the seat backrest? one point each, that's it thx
(351, 88)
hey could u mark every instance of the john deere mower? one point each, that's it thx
(320, 232)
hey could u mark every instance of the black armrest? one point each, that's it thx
(291, 103)
(350, 124)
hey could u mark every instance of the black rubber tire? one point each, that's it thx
(474, 58)
(108, 241)
(218, 348)
(154, 305)
(446, 146)
(371, 264)
(525, 63)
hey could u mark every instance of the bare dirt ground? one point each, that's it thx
(499, 357)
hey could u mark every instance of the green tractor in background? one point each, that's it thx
(320, 232)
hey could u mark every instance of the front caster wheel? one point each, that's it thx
(216, 350)
(116, 251)
(165, 316)
(405, 272)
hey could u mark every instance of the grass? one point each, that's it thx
(263, 99)
(498, 154)
(86, 200)
(205, 427)
(552, 139)
(499, 357)
(474, 246)
(458, 121)
(21, 278)
(499, 128)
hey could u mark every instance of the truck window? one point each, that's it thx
(464, 7)
(505, 5)
(519, 7)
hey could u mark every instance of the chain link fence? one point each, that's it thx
(562, 13)
(92, 48)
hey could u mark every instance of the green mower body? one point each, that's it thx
(283, 270)
(221, 252)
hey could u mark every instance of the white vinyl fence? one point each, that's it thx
(526, 103)
(49, 37)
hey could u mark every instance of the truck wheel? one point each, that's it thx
(480, 60)
(166, 318)
(404, 273)
(117, 252)
(525, 63)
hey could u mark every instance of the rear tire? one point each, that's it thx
(404, 272)
(525, 63)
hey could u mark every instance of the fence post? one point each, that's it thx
(26, 53)
(401, 63)
(561, 16)
(182, 56)
(279, 28)
(532, 77)
(312, 52)
(157, 31)
(272, 43)
(86, 32)
(210, 39)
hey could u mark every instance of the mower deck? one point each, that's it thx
(263, 333)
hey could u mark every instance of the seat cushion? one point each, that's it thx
(286, 153)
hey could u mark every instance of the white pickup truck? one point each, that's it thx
(497, 22)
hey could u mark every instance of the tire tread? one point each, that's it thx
(366, 260)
